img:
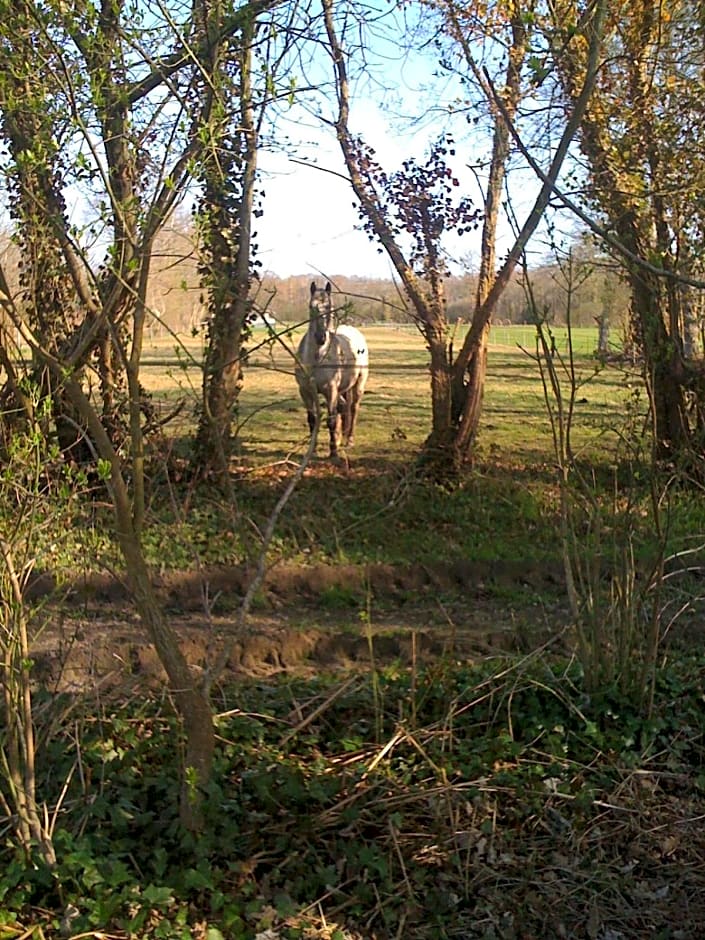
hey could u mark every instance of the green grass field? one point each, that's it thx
(395, 415)
(505, 509)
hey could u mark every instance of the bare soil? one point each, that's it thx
(306, 619)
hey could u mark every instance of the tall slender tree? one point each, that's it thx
(643, 138)
(458, 380)
(92, 95)
(470, 368)
(30, 110)
(224, 220)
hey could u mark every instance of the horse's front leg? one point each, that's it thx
(333, 426)
(309, 396)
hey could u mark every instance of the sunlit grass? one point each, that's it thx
(377, 511)
(395, 417)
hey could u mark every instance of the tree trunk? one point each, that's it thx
(226, 219)
(39, 209)
(471, 364)
(603, 334)
(691, 333)
(665, 370)
(191, 703)
(470, 406)
(629, 181)
(438, 454)
(222, 382)
(470, 367)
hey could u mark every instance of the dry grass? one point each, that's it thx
(470, 829)
(395, 415)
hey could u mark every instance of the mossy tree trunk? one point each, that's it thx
(645, 177)
(224, 219)
(75, 306)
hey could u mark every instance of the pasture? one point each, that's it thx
(396, 411)
(364, 519)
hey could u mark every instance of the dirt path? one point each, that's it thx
(306, 619)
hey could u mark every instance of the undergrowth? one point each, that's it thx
(495, 800)
(385, 514)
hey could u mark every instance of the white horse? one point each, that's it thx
(332, 362)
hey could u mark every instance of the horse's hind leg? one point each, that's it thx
(346, 415)
(353, 406)
(350, 422)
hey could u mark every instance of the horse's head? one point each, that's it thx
(320, 312)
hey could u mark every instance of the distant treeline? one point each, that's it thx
(596, 293)
(175, 296)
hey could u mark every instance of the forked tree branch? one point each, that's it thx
(484, 312)
(369, 200)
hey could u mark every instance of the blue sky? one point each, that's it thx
(400, 103)
(309, 223)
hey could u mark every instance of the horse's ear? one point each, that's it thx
(328, 288)
(313, 288)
